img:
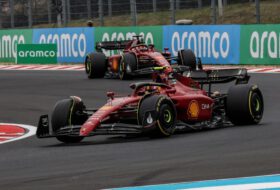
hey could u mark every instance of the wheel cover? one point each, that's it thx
(167, 116)
(166, 119)
(255, 105)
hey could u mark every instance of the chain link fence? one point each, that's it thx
(57, 13)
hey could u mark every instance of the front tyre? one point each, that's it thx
(160, 111)
(244, 104)
(68, 112)
(95, 65)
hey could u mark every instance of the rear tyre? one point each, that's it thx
(95, 65)
(127, 66)
(244, 104)
(68, 112)
(160, 111)
(186, 57)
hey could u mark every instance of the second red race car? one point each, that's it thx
(175, 100)
(133, 57)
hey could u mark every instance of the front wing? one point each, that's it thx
(44, 129)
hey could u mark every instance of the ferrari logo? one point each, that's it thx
(193, 109)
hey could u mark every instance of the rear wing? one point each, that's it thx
(219, 76)
(112, 45)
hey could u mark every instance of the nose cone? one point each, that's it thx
(88, 127)
(84, 131)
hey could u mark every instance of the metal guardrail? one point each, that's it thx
(28, 13)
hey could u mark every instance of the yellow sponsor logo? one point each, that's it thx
(106, 107)
(193, 109)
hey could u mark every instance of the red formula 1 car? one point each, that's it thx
(172, 102)
(133, 58)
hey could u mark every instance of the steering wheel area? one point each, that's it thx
(139, 47)
(147, 89)
(141, 88)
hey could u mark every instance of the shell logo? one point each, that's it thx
(193, 109)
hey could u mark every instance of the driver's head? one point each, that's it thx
(135, 43)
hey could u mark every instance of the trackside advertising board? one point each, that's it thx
(72, 43)
(36, 53)
(214, 44)
(260, 44)
(9, 40)
(151, 35)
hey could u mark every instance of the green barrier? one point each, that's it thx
(260, 44)
(37, 53)
(151, 35)
(9, 40)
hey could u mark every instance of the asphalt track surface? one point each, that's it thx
(106, 161)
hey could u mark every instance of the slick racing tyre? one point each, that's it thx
(244, 104)
(95, 65)
(159, 111)
(68, 112)
(127, 66)
(186, 57)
